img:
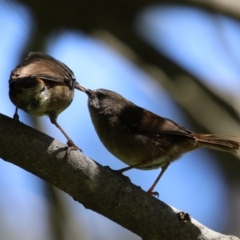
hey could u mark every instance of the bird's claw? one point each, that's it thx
(71, 145)
(16, 117)
(155, 194)
(123, 176)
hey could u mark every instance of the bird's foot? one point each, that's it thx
(120, 174)
(15, 117)
(74, 147)
(155, 194)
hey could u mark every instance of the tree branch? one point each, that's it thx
(96, 187)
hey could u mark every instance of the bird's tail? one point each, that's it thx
(214, 142)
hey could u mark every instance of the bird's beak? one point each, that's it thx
(89, 92)
(79, 87)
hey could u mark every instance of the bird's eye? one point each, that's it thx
(101, 96)
(43, 89)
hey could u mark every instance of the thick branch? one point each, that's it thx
(96, 187)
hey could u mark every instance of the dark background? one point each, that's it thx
(180, 59)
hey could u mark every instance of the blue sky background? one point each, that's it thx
(206, 46)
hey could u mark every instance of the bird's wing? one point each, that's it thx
(43, 66)
(142, 121)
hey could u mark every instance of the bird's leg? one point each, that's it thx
(15, 116)
(130, 167)
(150, 190)
(120, 171)
(70, 142)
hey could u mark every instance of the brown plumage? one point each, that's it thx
(143, 139)
(42, 85)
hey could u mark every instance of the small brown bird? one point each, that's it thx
(143, 139)
(42, 85)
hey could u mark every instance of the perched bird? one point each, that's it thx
(143, 139)
(42, 85)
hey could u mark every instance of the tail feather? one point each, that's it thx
(213, 142)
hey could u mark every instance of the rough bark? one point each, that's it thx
(97, 188)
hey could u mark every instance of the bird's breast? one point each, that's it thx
(134, 148)
(41, 99)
